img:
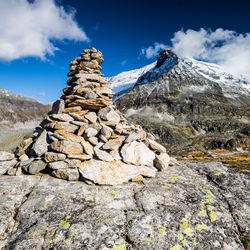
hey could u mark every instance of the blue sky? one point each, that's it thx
(122, 30)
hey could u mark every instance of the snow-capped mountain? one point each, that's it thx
(180, 68)
(186, 103)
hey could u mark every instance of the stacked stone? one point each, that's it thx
(85, 138)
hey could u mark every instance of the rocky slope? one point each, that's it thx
(17, 109)
(188, 104)
(189, 206)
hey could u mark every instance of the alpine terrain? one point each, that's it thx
(16, 108)
(189, 104)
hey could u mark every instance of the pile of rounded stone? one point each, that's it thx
(85, 138)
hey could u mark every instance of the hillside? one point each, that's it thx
(16, 110)
(188, 104)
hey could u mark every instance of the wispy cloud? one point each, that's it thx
(123, 62)
(30, 28)
(96, 27)
(227, 48)
(42, 93)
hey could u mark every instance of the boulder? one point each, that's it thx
(87, 147)
(6, 156)
(62, 117)
(90, 103)
(137, 153)
(113, 173)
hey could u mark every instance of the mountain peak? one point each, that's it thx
(164, 55)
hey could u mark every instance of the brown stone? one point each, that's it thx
(67, 147)
(114, 144)
(137, 178)
(65, 126)
(91, 116)
(82, 157)
(73, 109)
(82, 129)
(90, 103)
(51, 157)
(68, 136)
(87, 147)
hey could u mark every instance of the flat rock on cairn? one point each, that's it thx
(85, 138)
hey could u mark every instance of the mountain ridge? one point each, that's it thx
(189, 104)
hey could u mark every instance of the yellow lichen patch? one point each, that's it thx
(89, 198)
(212, 215)
(201, 227)
(52, 232)
(209, 196)
(173, 179)
(122, 247)
(187, 229)
(195, 242)
(148, 241)
(114, 193)
(64, 224)
(217, 174)
(176, 247)
(180, 237)
(165, 186)
(162, 231)
(68, 217)
(203, 212)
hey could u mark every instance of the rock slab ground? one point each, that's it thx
(190, 206)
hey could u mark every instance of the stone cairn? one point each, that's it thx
(85, 138)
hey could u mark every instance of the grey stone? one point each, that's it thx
(161, 161)
(70, 174)
(115, 173)
(137, 153)
(58, 106)
(6, 156)
(156, 146)
(135, 136)
(91, 132)
(35, 167)
(6, 165)
(108, 114)
(208, 213)
(101, 154)
(52, 156)
(91, 116)
(40, 147)
(106, 131)
(62, 117)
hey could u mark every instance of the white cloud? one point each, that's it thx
(124, 62)
(153, 50)
(225, 47)
(30, 29)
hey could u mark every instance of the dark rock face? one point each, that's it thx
(187, 110)
(189, 206)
